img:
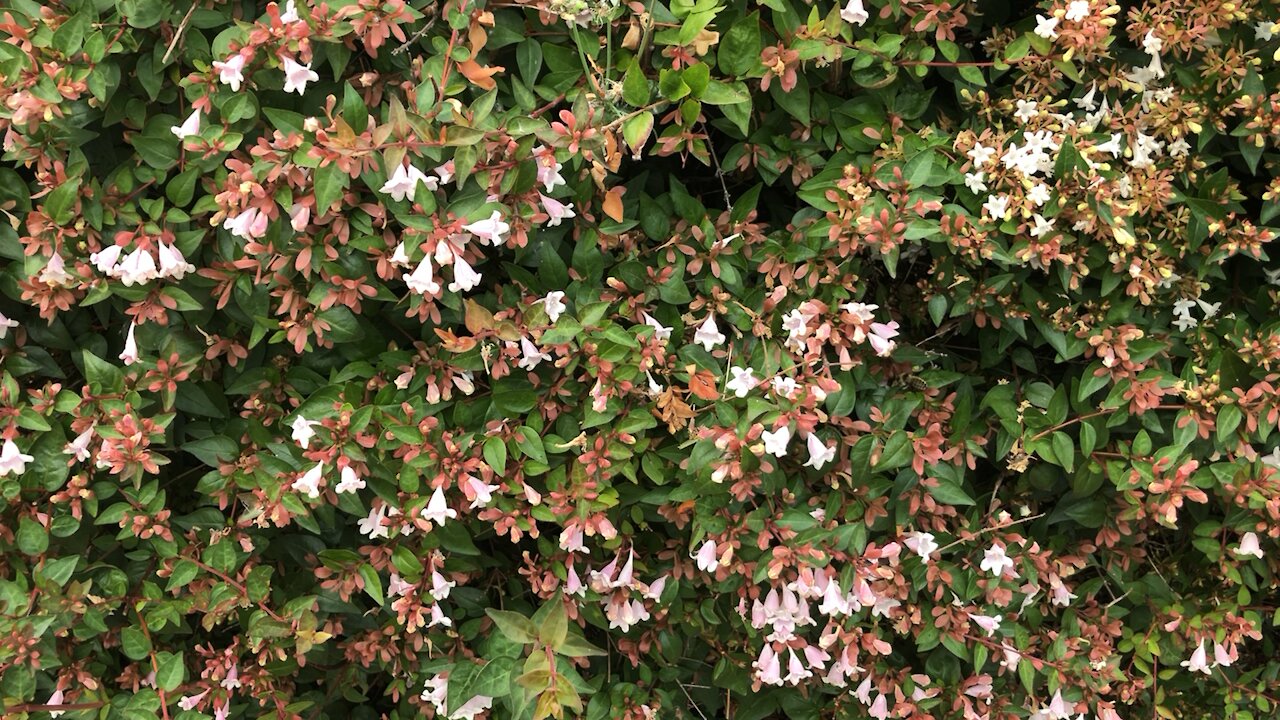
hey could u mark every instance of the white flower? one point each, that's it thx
(1210, 310)
(1086, 102)
(1112, 146)
(5, 324)
(12, 460)
(531, 355)
(172, 263)
(402, 183)
(373, 525)
(137, 268)
(1199, 661)
(297, 75)
(491, 229)
(56, 699)
(290, 14)
(655, 387)
(438, 509)
(921, 543)
(1046, 27)
(249, 224)
(1077, 10)
(302, 431)
(855, 13)
(1249, 545)
(981, 154)
(775, 441)
(105, 260)
(556, 210)
(80, 446)
(708, 335)
(1039, 194)
(990, 623)
(231, 71)
(973, 181)
(189, 127)
(706, 557)
(483, 492)
(1264, 30)
(743, 381)
(997, 206)
(130, 353)
(819, 454)
(350, 481)
(554, 305)
(464, 276)
(309, 482)
(664, 333)
(1042, 226)
(422, 280)
(1151, 44)
(995, 561)
(1027, 110)
(55, 272)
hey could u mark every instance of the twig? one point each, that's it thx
(728, 201)
(417, 35)
(692, 704)
(182, 27)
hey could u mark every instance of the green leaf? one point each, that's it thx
(495, 453)
(32, 538)
(513, 626)
(739, 50)
(555, 623)
(896, 453)
(530, 443)
(59, 204)
(576, 646)
(354, 111)
(372, 582)
(170, 670)
(135, 644)
(635, 86)
(330, 182)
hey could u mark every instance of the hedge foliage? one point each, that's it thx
(662, 359)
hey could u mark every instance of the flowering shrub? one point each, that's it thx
(577, 358)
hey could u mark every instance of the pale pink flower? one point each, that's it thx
(232, 680)
(775, 441)
(297, 75)
(130, 353)
(571, 539)
(373, 524)
(299, 217)
(706, 559)
(921, 543)
(995, 561)
(1249, 545)
(483, 492)
(819, 454)
(231, 71)
(743, 382)
(465, 277)
(660, 331)
(554, 305)
(880, 708)
(768, 667)
(401, 184)
(172, 264)
(12, 459)
(56, 699)
(302, 431)
(990, 623)
(422, 279)
(309, 482)
(573, 584)
(708, 335)
(556, 211)
(1199, 661)
(492, 229)
(438, 509)
(350, 482)
(249, 224)
(855, 13)
(290, 14)
(189, 127)
(1222, 656)
(137, 268)
(80, 446)
(105, 260)
(189, 702)
(531, 356)
(55, 272)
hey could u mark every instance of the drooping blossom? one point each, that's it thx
(819, 454)
(921, 543)
(349, 482)
(775, 441)
(303, 431)
(556, 211)
(708, 335)
(438, 510)
(706, 559)
(422, 279)
(660, 331)
(309, 482)
(1199, 661)
(172, 263)
(995, 561)
(855, 13)
(491, 229)
(189, 127)
(12, 460)
(553, 304)
(231, 71)
(297, 75)
(465, 277)
(130, 353)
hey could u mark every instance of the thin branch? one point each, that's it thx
(182, 27)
